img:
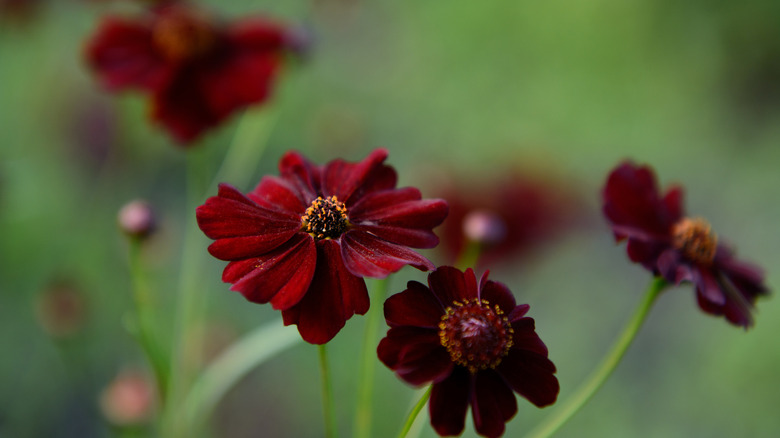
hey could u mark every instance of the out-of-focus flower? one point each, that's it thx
(473, 343)
(61, 309)
(304, 240)
(197, 69)
(21, 10)
(137, 219)
(129, 400)
(509, 215)
(677, 247)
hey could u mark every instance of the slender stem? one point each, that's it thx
(224, 372)
(414, 412)
(327, 394)
(469, 255)
(145, 319)
(246, 148)
(364, 406)
(577, 400)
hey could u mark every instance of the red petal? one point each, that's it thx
(632, 204)
(333, 297)
(367, 255)
(341, 178)
(492, 404)
(281, 276)
(301, 174)
(415, 306)
(277, 193)
(498, 294)
(530, 375)
(396, 216)
(525, 337)
(123, 56)
(181, 107)
(449, 285)
(448, 403)
(243, 229)
(415, 354)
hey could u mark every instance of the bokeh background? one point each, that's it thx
(462, 93)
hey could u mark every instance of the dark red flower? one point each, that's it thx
(197, 70)
(511, 214)
(304, 240)
(473, 343)
(679, 248)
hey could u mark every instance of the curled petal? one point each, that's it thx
(302, 174)
(369, 256)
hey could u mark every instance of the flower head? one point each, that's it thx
(473, 343)
(304, 240)
(677, 247)
(197, 70)
(508, 216)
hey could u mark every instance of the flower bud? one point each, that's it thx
(136, 219)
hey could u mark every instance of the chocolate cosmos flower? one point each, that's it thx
(679, 248)
(473, 343)
(304, 240)
(198, 71)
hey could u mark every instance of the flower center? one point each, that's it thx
(476, 335)
(182, 35)
(694, 237)
(326, 218)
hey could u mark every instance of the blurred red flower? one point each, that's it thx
(679, 248)
(196, 69)
(509, 215)
(473, 343)
(304, 240)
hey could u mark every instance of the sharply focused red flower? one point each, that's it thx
(677, 247)
(473, 343)
(304, 240)
(197, 70)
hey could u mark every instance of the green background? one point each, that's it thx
(463, 88)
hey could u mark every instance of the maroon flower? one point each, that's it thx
(473, 343)
(197, 70)
(304, 240)
(679, 248)
(512, 214)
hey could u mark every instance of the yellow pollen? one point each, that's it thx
(182, 35)
(476, 335)
(326, 218)
(695, 239)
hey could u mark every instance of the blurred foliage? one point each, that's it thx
(691, 87)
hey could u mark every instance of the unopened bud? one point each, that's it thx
(129, 399)
(136, 219)
(484, 227)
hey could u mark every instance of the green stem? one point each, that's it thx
(469, 255)
(364, 409)
(327, 394)
(246, 148)
(224, 372)
(577, 400)
(414, 412)
(145, 319)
